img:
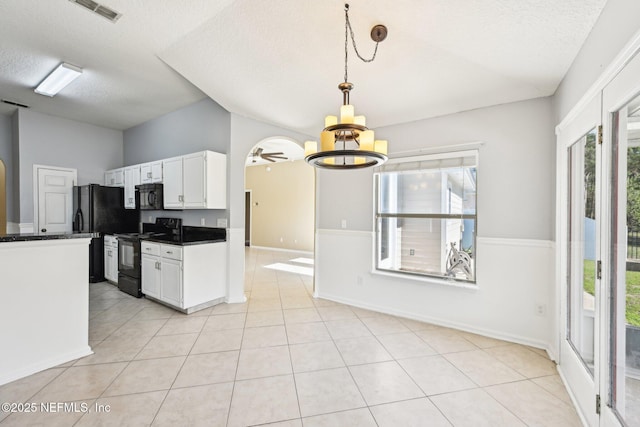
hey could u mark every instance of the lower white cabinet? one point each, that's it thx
(111, 258)
(186, 277)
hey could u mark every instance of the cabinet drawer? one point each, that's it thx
(171, 252)
(150, 248)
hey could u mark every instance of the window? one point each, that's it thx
(426, 216)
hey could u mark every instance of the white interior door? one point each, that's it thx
(579, 224)
(54, 202)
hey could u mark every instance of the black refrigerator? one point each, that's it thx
(100, 209)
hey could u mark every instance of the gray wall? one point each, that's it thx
(203, 125)
(617, 23)
(53, 141)
(515, 174)
(6, 155)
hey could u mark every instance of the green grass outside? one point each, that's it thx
(633, 291)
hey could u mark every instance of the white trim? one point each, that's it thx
(618, 63)
(423, 278)
(342, 232)
(502, 241)
(46, 364)
(455, 148)
(440, 322)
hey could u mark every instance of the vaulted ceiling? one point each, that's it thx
(280, 61)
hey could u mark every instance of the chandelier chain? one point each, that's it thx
(348, 31)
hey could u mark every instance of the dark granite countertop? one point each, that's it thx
(4, 238)
(183, 243)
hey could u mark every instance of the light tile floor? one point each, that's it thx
(291, 360)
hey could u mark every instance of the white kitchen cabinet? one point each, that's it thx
(151, 172)
(171, 282)
(172, 183)
(111, 258)
(114, 178)
(188, 278)
(150, 274)
(131, 179)
(195, 181)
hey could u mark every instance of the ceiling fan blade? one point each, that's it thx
(258, 151)
(269, 159)
(272, 154)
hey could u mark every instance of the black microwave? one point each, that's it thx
(149, 197)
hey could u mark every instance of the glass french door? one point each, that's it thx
(580, 161)
(598, 235)
(621, 319)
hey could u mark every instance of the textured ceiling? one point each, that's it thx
(279, 61)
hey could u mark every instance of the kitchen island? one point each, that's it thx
(44, 301)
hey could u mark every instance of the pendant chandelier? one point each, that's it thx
(346, 142)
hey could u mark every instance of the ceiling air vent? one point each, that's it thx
(16, 104)
(99, 9)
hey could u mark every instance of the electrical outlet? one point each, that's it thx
(202, 221)
(412, 252)
(150, 218)
(344, 223)
(540, 309)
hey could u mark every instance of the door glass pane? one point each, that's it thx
(582, 248)
(625, 263)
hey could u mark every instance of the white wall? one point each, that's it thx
(515, 226)
(53, 141)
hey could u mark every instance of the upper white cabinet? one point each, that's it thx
(195, 181)
(151, 172)
(131, 179)
(114, 178)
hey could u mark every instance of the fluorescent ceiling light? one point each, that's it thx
(58, 79)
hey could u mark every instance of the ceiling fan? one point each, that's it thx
(259, 152)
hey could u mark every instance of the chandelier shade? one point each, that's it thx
(345, 141)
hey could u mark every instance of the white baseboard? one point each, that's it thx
(297, 251)
(13, 228)
(46, 364)
(25, 227)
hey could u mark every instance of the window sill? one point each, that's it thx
(450, 283)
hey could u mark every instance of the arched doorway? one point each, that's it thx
(279, 214)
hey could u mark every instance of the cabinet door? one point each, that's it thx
(107, 261)
(150, 275)
(109, 178)
(171, 273)
(195, 181)
(172, 171)
(118, 177)
(131, 179)
(156, 172)
(114, 261)
(146, 175)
